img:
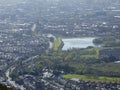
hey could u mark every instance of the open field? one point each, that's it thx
(57, 43)
(92, 78)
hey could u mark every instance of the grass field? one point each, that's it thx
(56, 44)
(92, 78)
(88, 53)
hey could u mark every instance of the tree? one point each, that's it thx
(97, 41)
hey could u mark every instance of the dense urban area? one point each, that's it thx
(31, 42)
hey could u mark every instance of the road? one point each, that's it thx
(9, 79)
(50, 45)
(33, 27)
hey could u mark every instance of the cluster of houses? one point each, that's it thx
(18, 44)
(18, 40)
(90, 22)
(76, 84)
(58, 83)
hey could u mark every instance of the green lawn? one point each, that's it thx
(87, 53)
(56, 44)
(92, 78)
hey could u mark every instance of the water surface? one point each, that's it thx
(70, 43)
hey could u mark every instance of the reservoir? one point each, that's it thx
(70, 43)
